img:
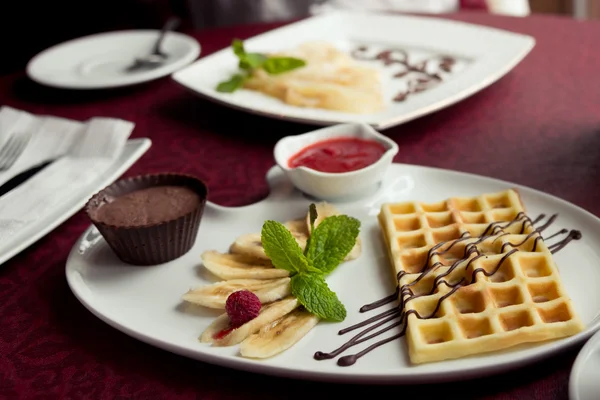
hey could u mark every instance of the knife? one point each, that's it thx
(22, 177)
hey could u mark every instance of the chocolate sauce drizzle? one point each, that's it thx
(398, 316)
(423, 79)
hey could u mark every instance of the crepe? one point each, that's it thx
(330, 80)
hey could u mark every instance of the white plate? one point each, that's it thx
(99, 61)
(144, 302)
(9, 247)
(584, 383)
(483, 56)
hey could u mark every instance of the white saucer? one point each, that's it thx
(584, 383)
(99, 61)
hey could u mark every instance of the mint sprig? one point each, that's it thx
(327, 246)
(248, 62)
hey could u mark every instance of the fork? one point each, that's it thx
(157, 57)
(12, 149)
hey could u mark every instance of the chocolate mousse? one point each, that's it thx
(149, 219)
(148, 206)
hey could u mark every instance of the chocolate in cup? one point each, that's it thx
(149, 219)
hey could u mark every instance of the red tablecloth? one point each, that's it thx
(538, 126)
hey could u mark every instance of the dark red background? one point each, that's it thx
(538, 126)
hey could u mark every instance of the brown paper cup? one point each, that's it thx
(154, 243)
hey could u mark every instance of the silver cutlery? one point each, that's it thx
(157, 57)
(22, 177)
(12, 149)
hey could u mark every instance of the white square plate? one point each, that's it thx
(482, 54)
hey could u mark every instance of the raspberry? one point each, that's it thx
(242, 306)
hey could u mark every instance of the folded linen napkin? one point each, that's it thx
(83, 151)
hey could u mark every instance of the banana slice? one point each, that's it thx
(236, 266)
(279, 335)
(355, 252)
(298, 228)
(218, 332)
(215, 295)
(250, 244)
(325, 210)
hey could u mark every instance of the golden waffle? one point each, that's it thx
(412, 228)
(482, 256)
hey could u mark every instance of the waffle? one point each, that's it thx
(475, 276)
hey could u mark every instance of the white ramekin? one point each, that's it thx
(328, 185)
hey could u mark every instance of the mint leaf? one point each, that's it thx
(331, 242)
(312, 292)
(234, 83)
(281, 247)
(238, 47)
(248, 61)
(278, 65)
(252, 60)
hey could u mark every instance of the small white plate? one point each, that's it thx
(145, 302)
(133, 150)
(100, 61)
(584, 383)
(483, 55)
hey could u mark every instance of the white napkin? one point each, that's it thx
(83, 151)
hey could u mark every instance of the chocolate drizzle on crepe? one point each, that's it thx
(424, 79)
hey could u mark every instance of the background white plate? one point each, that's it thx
(99, 61)
(484, 55)
(584, 383)
(9, 247)
(144, 302)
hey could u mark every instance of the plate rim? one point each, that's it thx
(579, 364)
(527, 44)
(194, 53)
(238, 363)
